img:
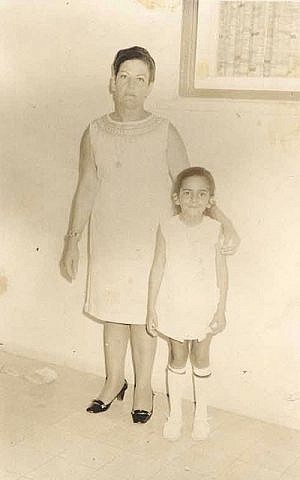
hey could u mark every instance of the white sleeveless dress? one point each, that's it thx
(134, 193)
(188, 295)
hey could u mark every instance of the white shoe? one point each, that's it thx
(172, 429)
(200, 430)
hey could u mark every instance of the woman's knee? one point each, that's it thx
(116, 332)
(142, 343)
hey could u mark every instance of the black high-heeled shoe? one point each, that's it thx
(142, 416)
(98, 406)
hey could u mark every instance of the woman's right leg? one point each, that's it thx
(115, 337)
(179, 352)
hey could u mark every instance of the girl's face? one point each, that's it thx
(131, 85)
(194, 196)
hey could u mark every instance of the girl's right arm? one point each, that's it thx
(155, 278)
(81, 208)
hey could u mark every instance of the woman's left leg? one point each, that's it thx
(143, 352)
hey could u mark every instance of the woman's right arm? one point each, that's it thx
(81, 208)
(155, 278)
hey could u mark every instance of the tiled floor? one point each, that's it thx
(47, 435)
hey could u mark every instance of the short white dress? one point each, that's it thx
(135, 177)
(188, 295)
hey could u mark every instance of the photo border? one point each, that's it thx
(188, 59)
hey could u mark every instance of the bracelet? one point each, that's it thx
(72, 234)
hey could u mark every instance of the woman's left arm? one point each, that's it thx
(222, 279)
(231, 240)
(177, 157)
(218, 322)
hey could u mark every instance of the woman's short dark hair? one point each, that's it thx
(132, 53)
(192, 172)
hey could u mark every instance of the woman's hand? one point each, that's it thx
(218, 322)
(231, 240)
(151, 323)
(69, 260)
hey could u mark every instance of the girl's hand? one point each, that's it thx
(151, 323)
(218, 323)
(69, 260)
(231, 240)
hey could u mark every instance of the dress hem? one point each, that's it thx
(100, 318)
(181, 339)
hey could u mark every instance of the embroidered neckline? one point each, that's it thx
(129, 128)
(129, 122)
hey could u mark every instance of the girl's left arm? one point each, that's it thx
(231, 239)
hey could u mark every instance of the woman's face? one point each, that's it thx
(131, 85)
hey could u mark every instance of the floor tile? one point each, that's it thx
(100, 475)
(207, 463)
(22, 459)
(53, 440)
(246, 471)
(274, 436)
(16, 428)
(89, 453)
(226, 442)
(266, 474)
(274, 458)
(9, 476)
(60, 469)
(240, 471)
(284, 476)
(86, 425)
(23, 478)
(294, 469)
(182, 472)
(131, 467)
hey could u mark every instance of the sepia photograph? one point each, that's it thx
(150, 260)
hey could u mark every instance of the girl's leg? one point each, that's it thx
(200, 353)
(143, 351)
(115, 336)
(201, 374)
(176, 377)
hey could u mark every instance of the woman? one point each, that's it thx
(125, 156)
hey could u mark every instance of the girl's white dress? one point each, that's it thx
(134, 173)
(188, 295)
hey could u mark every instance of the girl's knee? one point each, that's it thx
(178, 359)
(199, 355)
(200, 361)
(177, 363)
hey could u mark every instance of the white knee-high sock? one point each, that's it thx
(201, 382)
(176, 379)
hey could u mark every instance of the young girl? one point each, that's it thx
(187, 293)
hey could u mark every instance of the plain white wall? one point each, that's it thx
(54, 71)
